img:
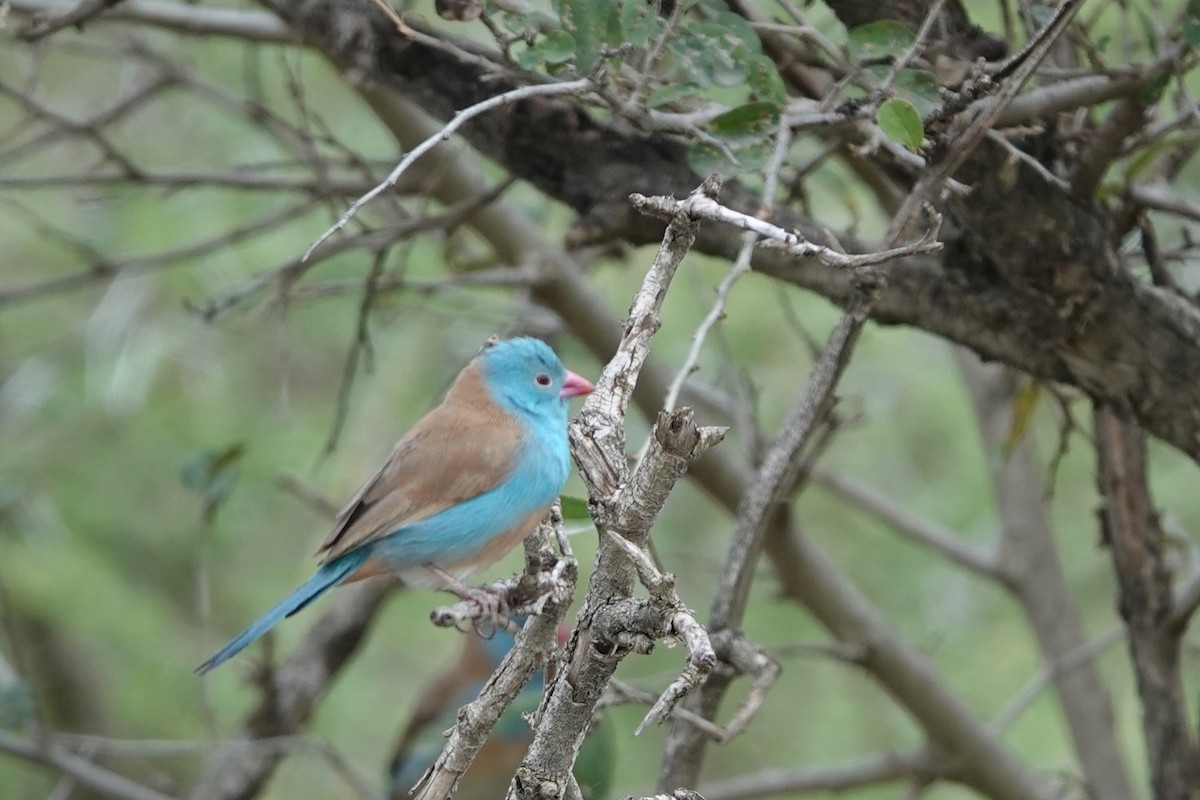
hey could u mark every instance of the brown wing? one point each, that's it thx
(459, 450)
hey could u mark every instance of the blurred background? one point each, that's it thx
(156, 423)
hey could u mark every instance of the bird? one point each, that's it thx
(422, 738)
(468, 481)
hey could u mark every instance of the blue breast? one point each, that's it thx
(462, 531)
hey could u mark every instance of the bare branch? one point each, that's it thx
(1019, 69)
(685, 748)
(741, 266)
(611, 622)
(47, 23)
(924, 532)
(1127, 117)
(791, 243)
(1027, 555)
(243, 180)
(255, 26)
(105, 268)
(459, 119)
(807, 575)
(79, 769)
(548, 582)
(284, 277)
(1160, 197)
(681, 624)
(861, 772)
(1075, 659)
(750, 659)
(619, 692)
(291, 691)
(919, 42)
(1134, 537)
(1187, 601)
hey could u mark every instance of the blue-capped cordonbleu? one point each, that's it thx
(471, 479)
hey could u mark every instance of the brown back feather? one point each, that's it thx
(462, 448)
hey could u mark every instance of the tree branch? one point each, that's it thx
(1028, 556)
(685, 745)
(81, 770)
(855, 774)
(806, 574)
(611, 623)
(47, 23)
(254, 26)
(1134, 537)
(291, 691)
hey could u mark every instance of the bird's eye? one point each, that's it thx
(542, 379)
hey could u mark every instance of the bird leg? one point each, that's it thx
(493, 604)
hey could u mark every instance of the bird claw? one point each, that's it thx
(493, 607)
(493, 603)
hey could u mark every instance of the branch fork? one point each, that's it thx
(680, 624)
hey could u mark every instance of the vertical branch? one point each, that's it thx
(548, 584)
(1030, 567)
(612, 623)
(686, 744)
(1131, 529)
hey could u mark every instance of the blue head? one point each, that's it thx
(526, 377)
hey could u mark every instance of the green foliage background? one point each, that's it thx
(107, 392)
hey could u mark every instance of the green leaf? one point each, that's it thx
(518, 21)
(1191, 23)
(640, 23)
(554, 48)
(669, 94)
(919, 88)
(1147, 30)
(750, 118)
(901, 122)
(587, 23)
(529, 58)
(763, 78)
(878, 39)
(557, 47)
(574, 508)
(739, 33)
(1024, 404)
(752, 154)
(1145, 157)
(710, 54)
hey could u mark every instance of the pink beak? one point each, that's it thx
(575, 385)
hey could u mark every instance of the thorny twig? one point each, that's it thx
(775, 237)
(682, 624)
(620, 693)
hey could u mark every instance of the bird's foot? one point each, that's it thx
(493, 603)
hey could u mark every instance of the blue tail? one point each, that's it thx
(326, 577)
